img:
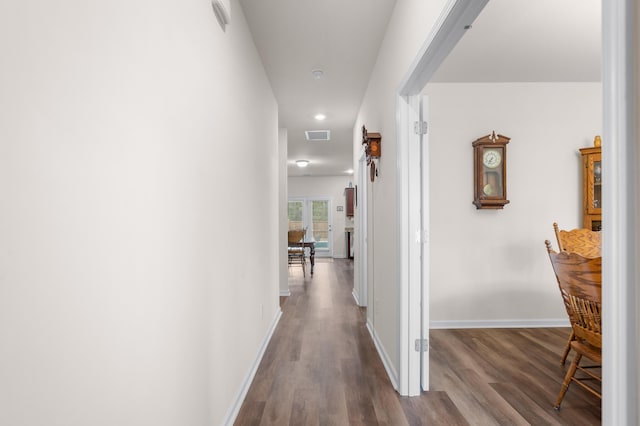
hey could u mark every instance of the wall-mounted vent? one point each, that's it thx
(318, 135)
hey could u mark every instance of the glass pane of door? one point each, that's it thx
(320, 223)
(296, 214)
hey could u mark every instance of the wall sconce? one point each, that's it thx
(302, 163)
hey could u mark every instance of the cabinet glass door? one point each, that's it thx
(595, 185)
(593, 201)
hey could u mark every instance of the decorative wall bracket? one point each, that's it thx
(372, 149)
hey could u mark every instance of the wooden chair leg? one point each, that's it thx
(567, 348)
(567, 380)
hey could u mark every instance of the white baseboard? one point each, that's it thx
(564, 322)
(286, 293)
(388, 366)
(235, 408)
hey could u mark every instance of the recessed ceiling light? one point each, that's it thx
(350, 171)
(317, 74)
(320, 117)
(302, 163)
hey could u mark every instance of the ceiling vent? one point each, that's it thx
(318, 135)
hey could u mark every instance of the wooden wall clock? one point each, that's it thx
(490, 171)
(372, 149)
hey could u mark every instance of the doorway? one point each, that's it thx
(314, 215)
(621, 218)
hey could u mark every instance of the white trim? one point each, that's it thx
(424, 308)
(529, 323)
(410, 244)
(386, 361)
(286, 293)
(620, 214)
(246, 384)
(404, 116)
(447, 31)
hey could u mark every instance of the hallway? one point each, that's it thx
(321, 367)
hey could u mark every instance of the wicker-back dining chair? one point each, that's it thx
(586, 243)
(580, 282)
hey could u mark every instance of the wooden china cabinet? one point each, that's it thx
(592, 186)
(349, 201)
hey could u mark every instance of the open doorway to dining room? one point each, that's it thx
(620, 389)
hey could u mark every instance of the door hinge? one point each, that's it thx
(422, 345)
(420, 127)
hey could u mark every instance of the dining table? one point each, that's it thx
(312, 250)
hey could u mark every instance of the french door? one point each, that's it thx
(314, 214)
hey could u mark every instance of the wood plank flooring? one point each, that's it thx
(321, 368)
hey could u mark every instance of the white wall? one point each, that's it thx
(492, 265)
(331, 187)
(123, 300)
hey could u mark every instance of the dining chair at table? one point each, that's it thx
(296, 253)
(584, 242)
(580, 283)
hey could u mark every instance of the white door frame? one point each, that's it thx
(360, 294)
(408, 109)
(424, 237)
(448, 30)
(621, 212)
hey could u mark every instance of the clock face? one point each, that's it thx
(374, 149)
(491, 158)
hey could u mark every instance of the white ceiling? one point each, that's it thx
(528, 41)
(512, 40)
(340, 37)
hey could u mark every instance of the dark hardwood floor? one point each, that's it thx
(321, 368)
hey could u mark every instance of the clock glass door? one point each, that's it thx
(492, 172)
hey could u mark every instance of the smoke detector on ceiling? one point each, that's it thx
(318, 135)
